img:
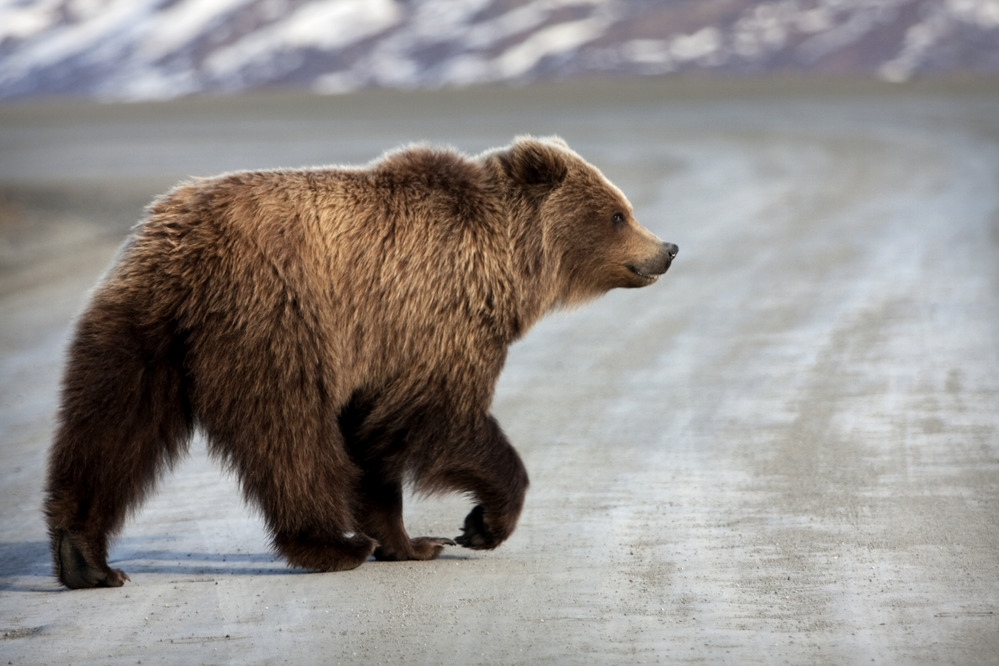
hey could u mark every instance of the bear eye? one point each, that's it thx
(617, 219)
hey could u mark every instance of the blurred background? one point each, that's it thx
(156, 49)
(786, 451)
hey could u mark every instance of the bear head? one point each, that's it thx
(590, 241)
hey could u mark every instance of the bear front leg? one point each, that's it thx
(487, 467)
(297, 473)
(382, 519)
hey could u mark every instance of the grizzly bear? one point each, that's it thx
(333, 332)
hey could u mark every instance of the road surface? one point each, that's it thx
(786, 451)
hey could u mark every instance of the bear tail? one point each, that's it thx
(124, 417)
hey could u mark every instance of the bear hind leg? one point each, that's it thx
(73, 565)
(124, 417)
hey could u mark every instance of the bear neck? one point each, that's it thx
(532, 265)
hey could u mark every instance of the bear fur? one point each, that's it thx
(333, 332)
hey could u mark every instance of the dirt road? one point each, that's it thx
(785, 452)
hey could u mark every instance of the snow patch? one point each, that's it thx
(984, 13)
(184, 22)
(555, 40)
(699, 45)
(24, 22)
(162, 48)
(317, 25)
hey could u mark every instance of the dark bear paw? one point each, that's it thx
(75, 572)
(476, 534)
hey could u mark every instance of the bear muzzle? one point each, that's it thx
(648, 271)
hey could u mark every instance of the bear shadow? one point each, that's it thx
(25, 559)
(149, 556)
(220, 564)
(24, 564)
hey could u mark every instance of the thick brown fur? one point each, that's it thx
(333, 332)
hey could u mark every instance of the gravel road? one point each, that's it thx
(787, 451)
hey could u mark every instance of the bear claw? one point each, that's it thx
(421, 548)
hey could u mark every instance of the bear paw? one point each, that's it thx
(76, 572)
(476, 534)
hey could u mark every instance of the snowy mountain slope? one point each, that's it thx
(136, 49)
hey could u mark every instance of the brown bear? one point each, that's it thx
(333, 332)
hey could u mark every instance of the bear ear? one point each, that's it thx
(535, 162)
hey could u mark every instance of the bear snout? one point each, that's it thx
(648, 271)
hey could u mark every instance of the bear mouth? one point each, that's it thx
(647, 277)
